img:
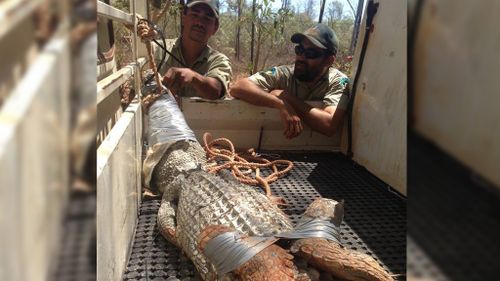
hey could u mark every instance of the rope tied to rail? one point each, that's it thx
(147, 33)
(222, 155)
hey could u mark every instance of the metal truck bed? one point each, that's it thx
(374, 222)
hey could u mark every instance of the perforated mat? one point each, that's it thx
(76, 260)
(374, 222)
(454, 217)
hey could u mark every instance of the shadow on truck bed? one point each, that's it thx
(454, 217)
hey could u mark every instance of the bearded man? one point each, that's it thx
(312, 77)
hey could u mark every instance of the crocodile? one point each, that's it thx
(197, 206)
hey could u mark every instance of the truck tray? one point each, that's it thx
(374, 221)
(454, 214)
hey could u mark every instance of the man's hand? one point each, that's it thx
(145, 31)
(276, 93)
(206, 87)
(248, 91)
(291, 121)
(176, 77)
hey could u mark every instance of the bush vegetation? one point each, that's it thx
(272, 27)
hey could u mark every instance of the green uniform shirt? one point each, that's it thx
(332, 89)
(211, 63)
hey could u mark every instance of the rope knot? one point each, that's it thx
(146, 31)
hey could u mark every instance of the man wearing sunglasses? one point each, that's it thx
(193, 68)
(312, 77)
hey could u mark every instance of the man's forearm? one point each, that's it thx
(207, 87)
(326, 122)
(246, 90)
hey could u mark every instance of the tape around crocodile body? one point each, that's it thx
(228, 251)
(167, 123)
(313, 228)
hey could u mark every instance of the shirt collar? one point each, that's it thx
(323, 79)
(203, 56)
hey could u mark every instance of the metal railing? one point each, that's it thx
(119, 155)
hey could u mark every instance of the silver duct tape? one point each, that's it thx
(313, 228)
(228, 251)
(166, 125)
(166, 122)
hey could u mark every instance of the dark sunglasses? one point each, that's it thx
(309, 53)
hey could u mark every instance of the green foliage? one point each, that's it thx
(123, 5)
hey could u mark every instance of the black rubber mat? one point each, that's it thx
(454, 216)
(420, 266)
(77, 253)
(374, 222)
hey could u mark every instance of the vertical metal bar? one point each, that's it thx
(252, 42)
(148, 16)
(322, 9)
(138, 95)
(137, 80)
(357, 24)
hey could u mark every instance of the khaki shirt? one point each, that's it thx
(332, 89)
(211, 63)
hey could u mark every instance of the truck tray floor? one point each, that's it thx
(374, 221)
(454, 213)
(76, 256)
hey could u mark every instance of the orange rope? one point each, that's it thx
(235, 162)
(147, 34)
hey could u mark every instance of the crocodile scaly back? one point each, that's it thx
(205, 199)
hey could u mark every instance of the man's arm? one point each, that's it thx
(324, 120)
(206, 87)
(248, 91)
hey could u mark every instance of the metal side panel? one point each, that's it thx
(118, 186)
(33, 165)
(456, 95)
(374, 223)
(379, 112)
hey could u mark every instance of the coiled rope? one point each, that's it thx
(222, 155)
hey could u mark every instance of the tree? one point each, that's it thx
(238, 29)
(310, 9)
(269, 27)
(335, 11)
(285, 4)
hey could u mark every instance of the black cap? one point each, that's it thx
(321, 36)
(213, 4)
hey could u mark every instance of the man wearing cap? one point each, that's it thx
(196, 69)
(312, 77)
